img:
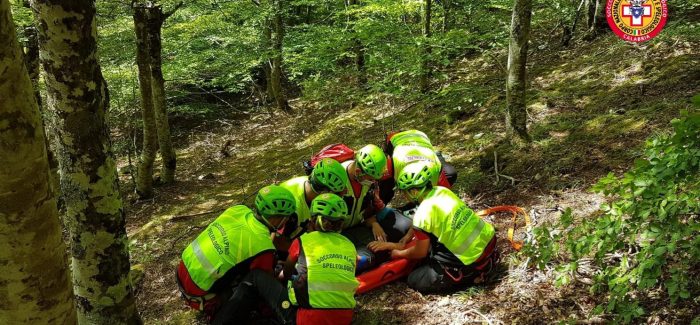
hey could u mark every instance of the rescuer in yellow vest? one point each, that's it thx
(235, 243)
(328, 176)
(458, 247)
(320, 267)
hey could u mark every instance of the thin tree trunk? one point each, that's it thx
(516, 114)
(447, 16)
(77, 94)
(156, 18)
(599, 20)
(34, 275)
(357, 48)
(425, 64)
(590, 13)
(276, 68)
(267, 64)
(570, 32)
(144, 180)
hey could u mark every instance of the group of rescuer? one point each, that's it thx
(295, 254)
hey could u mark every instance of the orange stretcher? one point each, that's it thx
(386, 272)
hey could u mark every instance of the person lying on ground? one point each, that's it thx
(321, 273)
(457, 246)
(236, 243)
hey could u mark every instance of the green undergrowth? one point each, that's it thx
(645, 238)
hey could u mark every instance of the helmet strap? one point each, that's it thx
(418, 196)
(267, 223)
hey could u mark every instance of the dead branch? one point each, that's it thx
(185, 216)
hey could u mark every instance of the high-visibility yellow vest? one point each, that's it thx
(296, 186)
(444, 215)
(232, 238)
(410, 146)
(355, 211)
(330, 267)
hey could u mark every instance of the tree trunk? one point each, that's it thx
(357, 48)
(77, 94)
(425, 64)
(276, 67)
(590, 13)
(156, 18)
(516, 114)
(598, 22)
(34, 275)
(447, 16)
(144, 179)
(31, 60)
(570, 32)
(267, 64)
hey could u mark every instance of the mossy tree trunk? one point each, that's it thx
(278, 90)
(35, 282)
(425, 63)
(78, 97)
(156, 17)
(31, 60)
(144, 177)
(516, 114)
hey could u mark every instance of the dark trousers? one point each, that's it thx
(257, 286)
(395, 226)
(434, 277)
(450, 171)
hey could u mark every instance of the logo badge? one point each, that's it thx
(636, 20)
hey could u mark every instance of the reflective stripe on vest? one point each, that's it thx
(232, 238)
(291, 294)
(331, 265)
(411, 146)
(203, 259)
(355, 211)
(444, 215)
(410, 136)
(296, 186)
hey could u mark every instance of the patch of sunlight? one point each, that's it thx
(621, 77)
(538, 111)
(155, 225)
(264, 147)
(560, 135)
(559, 75)
(634, 124)
(206, 205)
(583, 101)
(596, 123)
(544, 142)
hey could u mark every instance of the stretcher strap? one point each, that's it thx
(515, 211)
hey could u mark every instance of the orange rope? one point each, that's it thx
(514, 210)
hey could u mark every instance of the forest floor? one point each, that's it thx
(591, 107)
